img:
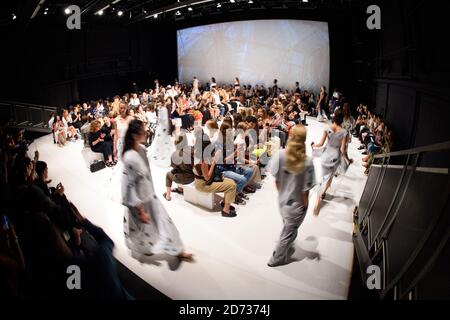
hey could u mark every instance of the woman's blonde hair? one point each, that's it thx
(296, 150)
(95, 126)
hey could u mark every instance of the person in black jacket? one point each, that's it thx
(42, 180)
(98, 143)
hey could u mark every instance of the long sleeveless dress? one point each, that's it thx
(161, 235)
(162, 146)
(332, 156)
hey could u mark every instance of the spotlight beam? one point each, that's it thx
(38, 7)
(89, 6)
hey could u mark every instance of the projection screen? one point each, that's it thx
(257, 52)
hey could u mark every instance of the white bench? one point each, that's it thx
(203, 199)
(90, 156)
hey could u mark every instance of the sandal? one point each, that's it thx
(232, 214)
(176, 190)
(164, 195)
(249, 189)
(222, 204)
(244, 196)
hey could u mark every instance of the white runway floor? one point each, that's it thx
(231, 254)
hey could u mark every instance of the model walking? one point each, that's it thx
(147, 226)
(335, 150)
(295, 177)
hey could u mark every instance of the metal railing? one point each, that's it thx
(32, 117)
(403, 209)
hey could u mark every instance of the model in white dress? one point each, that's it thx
(148, 229)
(159, 236)
(162, 146)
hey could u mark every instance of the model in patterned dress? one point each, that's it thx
(148, 228)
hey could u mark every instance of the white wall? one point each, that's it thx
(257, 52)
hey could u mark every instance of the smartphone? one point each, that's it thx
(5, 222)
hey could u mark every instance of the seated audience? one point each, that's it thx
(182, 162)
(205, 179)
(98, 143)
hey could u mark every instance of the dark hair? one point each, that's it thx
(237, 118)
(251, 119)
(346, 110)
(338, 117)
(134, 127)
(181, 141)
(40, 168)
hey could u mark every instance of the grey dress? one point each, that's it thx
(161, 235)
(292, 206)
(332, 155)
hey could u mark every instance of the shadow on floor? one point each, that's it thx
(137, 287)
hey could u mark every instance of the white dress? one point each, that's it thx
(195, 90)
(122, 127)
(162, 146)
(332, 155)
(161, 235)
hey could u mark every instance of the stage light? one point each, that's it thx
(14, 17)
(305, 0)
(155, 15)
(219, 5)
(189, 9)
(250, 1)
(100, 13)
(178, 13)
(45, 13)
(120, 13)
(67, 11)
(232, 1)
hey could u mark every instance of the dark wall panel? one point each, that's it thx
(381, 99)
(400, 114)
(432, 126)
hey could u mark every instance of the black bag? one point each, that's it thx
(97, 166)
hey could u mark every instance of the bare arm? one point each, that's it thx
(97, 141)
(322, 142)
(344, 149)
(208, 170)
(305, 196)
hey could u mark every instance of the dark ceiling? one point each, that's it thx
(29, 12)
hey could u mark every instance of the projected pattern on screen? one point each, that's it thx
(257, 52)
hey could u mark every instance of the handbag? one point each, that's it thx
(97, 166)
